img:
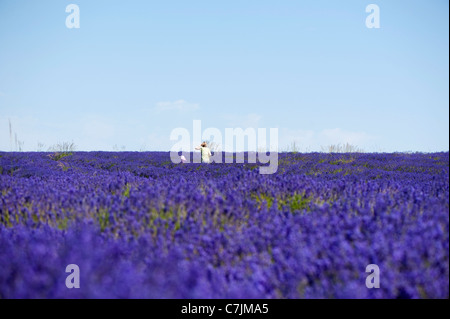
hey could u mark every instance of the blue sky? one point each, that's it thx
(135, 70)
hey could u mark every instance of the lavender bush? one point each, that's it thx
(139, 226)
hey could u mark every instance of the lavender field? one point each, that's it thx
(139, 226)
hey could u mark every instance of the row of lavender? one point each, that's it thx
(139, 226)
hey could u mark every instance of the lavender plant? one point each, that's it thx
(139, 226)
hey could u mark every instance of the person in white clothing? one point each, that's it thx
(206, 152)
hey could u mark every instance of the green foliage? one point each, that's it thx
(263, 198)
(61, 150)
(57, 156)
(126, 192)
(103, 218)
(294, 202)
(343, 148)
(63, 223)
